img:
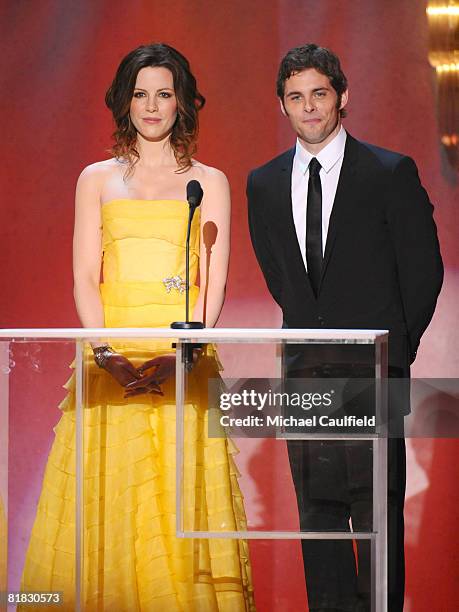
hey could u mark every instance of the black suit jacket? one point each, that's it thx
(382, 265)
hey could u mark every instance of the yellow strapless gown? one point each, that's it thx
(132, 559)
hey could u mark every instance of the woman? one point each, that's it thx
(131, 215)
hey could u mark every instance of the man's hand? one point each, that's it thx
(163, 368)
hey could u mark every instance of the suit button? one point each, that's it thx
(321, 321)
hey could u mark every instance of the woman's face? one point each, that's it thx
(153, 108)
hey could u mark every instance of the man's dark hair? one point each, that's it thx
(312, 56)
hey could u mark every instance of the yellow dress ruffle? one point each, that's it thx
(132, 559)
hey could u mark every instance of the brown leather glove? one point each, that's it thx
(163, 368)
(117, 365)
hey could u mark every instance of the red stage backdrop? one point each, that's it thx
(58, 59)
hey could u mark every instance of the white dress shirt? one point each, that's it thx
(331, 160)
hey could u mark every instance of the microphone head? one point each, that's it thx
(194, 193)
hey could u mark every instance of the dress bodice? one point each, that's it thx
(143, 245)
(144, 240)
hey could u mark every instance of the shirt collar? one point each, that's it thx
(327, 157)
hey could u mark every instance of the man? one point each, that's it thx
(344, 234)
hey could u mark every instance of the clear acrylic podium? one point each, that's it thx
(33, 366)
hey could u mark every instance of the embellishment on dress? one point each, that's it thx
(174, 282)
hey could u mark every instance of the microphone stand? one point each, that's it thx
(187, 324)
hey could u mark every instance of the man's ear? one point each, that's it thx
(282, 107)
(344, 99)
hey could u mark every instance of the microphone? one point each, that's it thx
(194, 194)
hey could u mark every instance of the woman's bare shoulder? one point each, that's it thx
(216, 188)
(94, 178)
(101, 170)
(209, 175)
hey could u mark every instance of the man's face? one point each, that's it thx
(311, 104)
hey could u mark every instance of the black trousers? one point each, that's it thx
(333, 483)
(333, 578)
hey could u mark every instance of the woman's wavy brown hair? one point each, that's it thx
(189, 101)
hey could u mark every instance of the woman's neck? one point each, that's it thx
(155, 153)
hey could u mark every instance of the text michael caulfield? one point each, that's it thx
(291, 421)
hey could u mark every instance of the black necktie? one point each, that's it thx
(314, 225)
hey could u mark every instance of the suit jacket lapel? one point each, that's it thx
(292, 248)
(284, 190)
(344, 195)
